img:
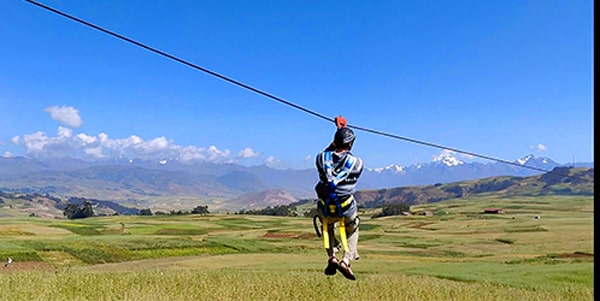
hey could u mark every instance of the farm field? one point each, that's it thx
(540, 248)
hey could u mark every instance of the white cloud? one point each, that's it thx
(308, 158)
(272, 161)
(66, 115)
(248, 153)
(86, 139)
(64, 133)
(7, 155)
(155, 145)
(35, 143)
(84, 146)
(215, 155)
(67, 143)
(540, 147)
(95, 152)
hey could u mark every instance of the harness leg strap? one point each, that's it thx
(343, 234)
(325, 233)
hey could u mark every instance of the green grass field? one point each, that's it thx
(456, 254)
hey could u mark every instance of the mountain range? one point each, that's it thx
(148, 183)
(560, 181)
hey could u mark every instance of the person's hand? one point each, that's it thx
(340, 122)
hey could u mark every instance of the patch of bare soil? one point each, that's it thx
(288, 235)
(17, 266)
(420, 225)
(575, 255)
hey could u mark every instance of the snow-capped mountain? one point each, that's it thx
(447, 159)
(534, 161)
(395, 168)
(446, 168)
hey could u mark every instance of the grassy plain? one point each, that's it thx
(458, 253)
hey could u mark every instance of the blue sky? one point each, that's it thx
(498, 78)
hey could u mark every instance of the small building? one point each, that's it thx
(493, 210)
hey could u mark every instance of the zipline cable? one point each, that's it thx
(283, 101)
(225, 78)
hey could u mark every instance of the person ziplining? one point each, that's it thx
(339, 171)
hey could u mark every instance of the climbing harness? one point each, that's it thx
(337, 208)
(330, 221)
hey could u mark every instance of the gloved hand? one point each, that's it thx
(340, 122)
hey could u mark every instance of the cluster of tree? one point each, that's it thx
(197, 210)
(200, 210)
(83, 210)
(393, 209)
(104, 204)
(146, 211)
(312, 212)
(280, 210)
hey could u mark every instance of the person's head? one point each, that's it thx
(344, 138)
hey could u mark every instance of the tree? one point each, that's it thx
(393, 209)
(280, 210)
(74, 211)
(200, 210)
(312, 212)
(146, 211)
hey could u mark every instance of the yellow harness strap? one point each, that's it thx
(343, 234)
(325, 233)
(342, 228)
(342, 223)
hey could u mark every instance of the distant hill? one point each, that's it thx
(149, 181)
(258, 200)
(561, 181)
(37, 205)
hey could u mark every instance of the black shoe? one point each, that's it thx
(332, 266)
(346, 270)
